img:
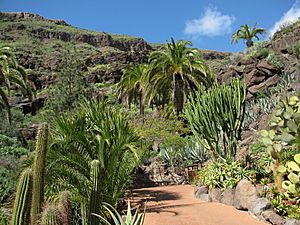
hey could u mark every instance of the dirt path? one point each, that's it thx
(176, 205)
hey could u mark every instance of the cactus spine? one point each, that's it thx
(23, 197)
(65, 207)
(51, 216)
(39, 172)
(95, 192)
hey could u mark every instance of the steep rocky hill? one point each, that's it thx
(41, 43)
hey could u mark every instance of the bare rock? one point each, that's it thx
(273, 218)
(245, 193)
(215, 194)
(204, 197)
(257, 206)
(200, 190)
(228, 197)
(292, 222)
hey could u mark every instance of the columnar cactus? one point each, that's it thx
(65, 207)
(95, 201)
(51, 216)
(23, 197)
(39, 172)
(285, 127)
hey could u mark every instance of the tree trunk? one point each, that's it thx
(178, 94)
(249, 43)
(142, 105)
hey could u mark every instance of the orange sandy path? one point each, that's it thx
(176, 205)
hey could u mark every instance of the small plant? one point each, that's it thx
(258, 51)
(128, 219)
(224, 174)
(292, 184)
(274, 60)
(297, 50)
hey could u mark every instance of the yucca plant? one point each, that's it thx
(129, 219)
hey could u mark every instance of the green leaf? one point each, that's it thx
(264, 133)
(266, 141)
(294, 166)
(292, 188)
(286, 184)
(293, 100)
(286, 137)
(297, 158)
(292, 125)
(277, 147)
(294, 178)
(281, 169)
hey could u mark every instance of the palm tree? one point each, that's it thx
(96, 132)
(247, 33)
(179, 68)
(132, 84)
(11, 73)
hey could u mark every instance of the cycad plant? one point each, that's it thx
(216, 115)
(95, 146)
(180, 68)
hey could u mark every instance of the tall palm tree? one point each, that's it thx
(247, 33)
(133, 83)
(179, 68)
(11, 73)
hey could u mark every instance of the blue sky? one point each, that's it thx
(208, 24)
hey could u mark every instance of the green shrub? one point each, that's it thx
(3, 219)
(224, 174)
(297, 50)
(258, 50)
(274, 60)
(10, 153)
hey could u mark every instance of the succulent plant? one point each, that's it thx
(39, 172)
(292, 185)
(22, 201)
(51, 216)
(285, 128)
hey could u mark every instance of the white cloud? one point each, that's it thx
(212, 23)
(289, 17)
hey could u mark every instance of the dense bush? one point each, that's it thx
(10, 153)
(258, 50)
(224, 174)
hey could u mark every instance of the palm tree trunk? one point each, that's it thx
(142, 105)
(249, 43)
(178, 94)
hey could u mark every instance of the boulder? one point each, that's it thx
(292, 222)
(215, 194)
(200, 190)
(244, 194)
(228, 197)
(204, 197)
(273, 218)
(257, 206)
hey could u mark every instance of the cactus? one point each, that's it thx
(95, 201)
(39, 172)
(292, 185)
(216, 115)
(285, 127)
(51, 216)
(65, 207)
(23, 197)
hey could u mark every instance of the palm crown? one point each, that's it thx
(180, 68)
(247, 33)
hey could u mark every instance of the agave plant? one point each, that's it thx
(129, 219)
